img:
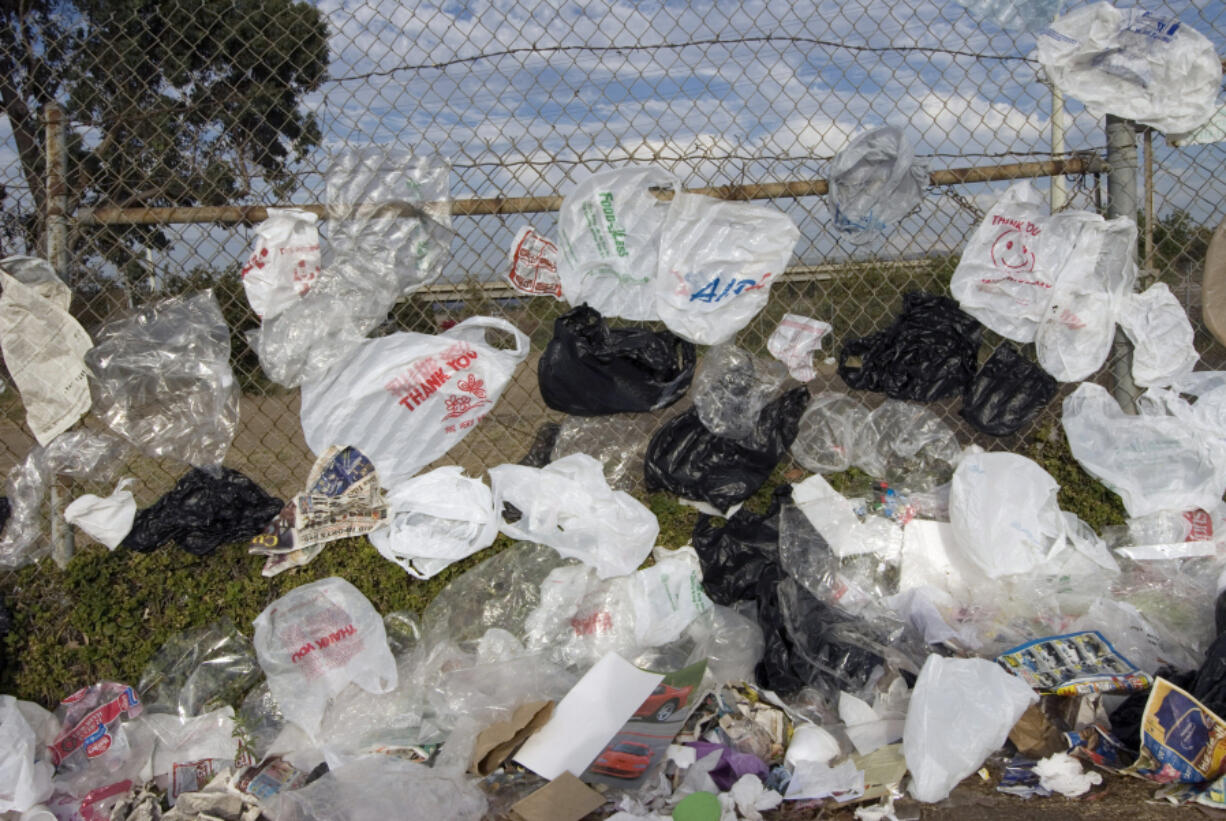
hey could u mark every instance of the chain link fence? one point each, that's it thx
(176, 104)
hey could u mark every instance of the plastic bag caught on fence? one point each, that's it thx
(1162, 337)
(108, 520)
(314, 641)
(534, 264)
(875, 181)
(1134, 63)
(731, 387)
(793, 342)
(569, 506)
(929, 352)
(717, 262)
(825, 440)
(590, 369)
(609, 230)
(618, 442)
(406, 399)
(44, 346)
(162, 380)
(81, 454)
(1154, 462)
(1007, 393)
(1014, 15)
(285, 261)
(1096, 272)
(202, 512)
(961, 711)
(389, 218)
(437, 518)
(687, 459)
(199, 670)
(908, 446)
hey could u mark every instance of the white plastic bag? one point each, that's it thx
(826, 437)
(961, 711)
(1162, 337)
(285, 261)
(317, 639)
(717, 262)
(44, 347)
(1154, 462)
(25, 771)
(1012, 15)
(1134, 63)
(1005, 277)
(609, 233)
(435, 519)
(1095, 269)
(408, 398)
(874, 182)
(569, 506)
(107, 520)
(1003, 511)
(793, 342)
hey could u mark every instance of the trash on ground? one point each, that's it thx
(1007, 393)
(108, 520)
(826, 436)
(161, 379)
(44, 347)
(198, 671)
(731, 387)
(617, 441)
(793, 342)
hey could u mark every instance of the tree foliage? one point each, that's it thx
(172, 102)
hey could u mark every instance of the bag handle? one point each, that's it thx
(473, 330)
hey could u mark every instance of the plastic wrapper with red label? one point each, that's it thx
(534, 264)
(316, 640)
(285, 261)
(408, 398)
(93, 748)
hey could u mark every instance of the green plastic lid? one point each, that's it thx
(699, 806)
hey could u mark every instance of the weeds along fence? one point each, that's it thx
(180, 122)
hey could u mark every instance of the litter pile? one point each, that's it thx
(834, 648)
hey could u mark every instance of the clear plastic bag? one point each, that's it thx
(96, 744)
(1162, 338)
(569, 506)
(316, 640)
(406, 399)
(81, 454)
(828, 430)
(618, 442)
(1134, 63)
(389, 218)
(961, 711)
(717, 262)
(435, 519)
(874, 182)
(1154, 462)
(199, 670)
(1014, 15)
(908, 446)
(285, 261)
(162, 380)
(1096, 267)
(731, 387)
(609, 230)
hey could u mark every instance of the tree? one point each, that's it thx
(172, 102)
(1180, 243)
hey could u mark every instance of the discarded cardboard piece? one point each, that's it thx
(1035, 736)
(1213, 284)
(499, 740)
(566, 798)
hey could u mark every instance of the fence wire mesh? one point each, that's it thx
(211, 103)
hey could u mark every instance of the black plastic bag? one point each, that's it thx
(687, 459)
(929, 352)
(203, 512)
(6, 510)
(589, 369)
(1008, 392)
(742, 553)
(1126, 718)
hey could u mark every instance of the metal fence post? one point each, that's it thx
(57, 254)
(1122, 202)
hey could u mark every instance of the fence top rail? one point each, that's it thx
(247, 214)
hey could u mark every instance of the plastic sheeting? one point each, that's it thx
(874, 182)
(161, 379)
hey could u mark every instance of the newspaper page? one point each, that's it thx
(1074, 664)
(1181, 739)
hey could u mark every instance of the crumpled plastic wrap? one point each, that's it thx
(907, 445)
(379, 253)
(731, 387)
(874, 182)
(199, 670)
(618, 442)
(161, 378)
(81, 454)
(825, 440)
